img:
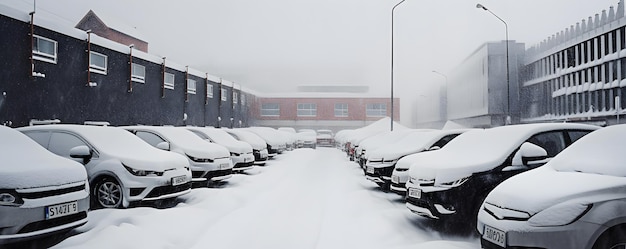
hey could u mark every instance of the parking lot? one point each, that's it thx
(302, 199)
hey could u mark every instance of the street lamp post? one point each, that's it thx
(508, 94)
(392, 10)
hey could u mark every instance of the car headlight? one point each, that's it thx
(200, 160)
(139, 172)
(391, 161)
(234, 154)
(10, 198)
(559, 215)
(454, 184)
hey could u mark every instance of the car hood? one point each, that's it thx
(392, 153)
(237, 146)
(157, 160)
(445, 167)
(538, 189)
(207, 150)
(25, 164)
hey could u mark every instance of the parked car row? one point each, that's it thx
(512, 183)
(52, 174)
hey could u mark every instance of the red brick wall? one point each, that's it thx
(325, 108)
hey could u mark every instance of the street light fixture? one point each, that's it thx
(508, 96)
(392, 10)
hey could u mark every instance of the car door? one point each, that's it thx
(62, 142)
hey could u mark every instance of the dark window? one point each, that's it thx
(553, 142)
(606, 43)
(575, 135)
(41, 137)
(150, 138)
(571, 57)
(614, 41)
(62, 143)
(592, 49)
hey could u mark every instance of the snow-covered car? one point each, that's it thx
(577, 200)
(240, 152)
(122, 169)
(379, 140)
(290, 131)
(453, 181)
(259, 146)
(309, 138)
(381, 162)
(276, 141)
(209, 162)
(36, 188)
(325, 138)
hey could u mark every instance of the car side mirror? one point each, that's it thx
(434, 148)
(163, 146)
(529, 152)
(82, 152)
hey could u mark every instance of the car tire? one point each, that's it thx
(107, 193)
(613, 238)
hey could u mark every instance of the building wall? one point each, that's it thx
(65, 94)
(578, 74)
(325, 112)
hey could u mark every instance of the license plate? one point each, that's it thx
(495, 236)
(415, 193)
(370, 170)
(178, 180)
(224, 165)
(395, 179)
(61, 210)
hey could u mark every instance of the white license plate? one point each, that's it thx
(415, 193)
(494, 236)
(370, 170)
(224, 165)
(395, 179)
(178, 180)
(61, 210)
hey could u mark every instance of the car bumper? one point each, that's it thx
(443, 202)
(148, 188)
(519, 234)
(242, 162)
(379, 173)
(29, 220)
(206, 171)
(398, 182)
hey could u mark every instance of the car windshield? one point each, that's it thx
(116, 141)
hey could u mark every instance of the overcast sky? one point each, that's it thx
(276, 45)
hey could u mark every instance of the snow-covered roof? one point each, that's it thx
(254, 140)
(480, 150)
(26, 164)
(184, 139)
(220, 137)
(411, 143)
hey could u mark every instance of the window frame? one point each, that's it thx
(136, 77)
(224, 94)
(264, 111)
(166, 84)
(311, 111)
(235, 98)
(43, 56)
(96, 68)
(344, 111)
(191, 86)
(369, 110)
(209, 91)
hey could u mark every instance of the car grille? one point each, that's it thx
(45, 224)
(56, 192)
(417, 202)
(216, 173)
(165, 190)
(243, 165)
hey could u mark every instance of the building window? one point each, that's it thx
(270, 109)
(307, 110)
(139, 73)
(224, 94)
(243, 99)
(191, 86)
(235, 97)
(341, 110)
(209, 91)
(168, 82)
(44, 49)
(376, 110)
(97, 63)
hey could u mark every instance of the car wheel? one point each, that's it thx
(108, 193)
(614, 238)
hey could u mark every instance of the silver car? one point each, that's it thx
(577, 200)
(40, 193)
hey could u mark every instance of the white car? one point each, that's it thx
(276, 142)
(240, 152)
(577, 200)
(209, 162)
(259, 146)
(451, 182)
(381, 162)
(309, 138)
(122, 169)
(40, 193)
(325, 138)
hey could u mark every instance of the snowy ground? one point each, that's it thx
(303, 199)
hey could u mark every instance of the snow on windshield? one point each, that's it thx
(583, 156)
